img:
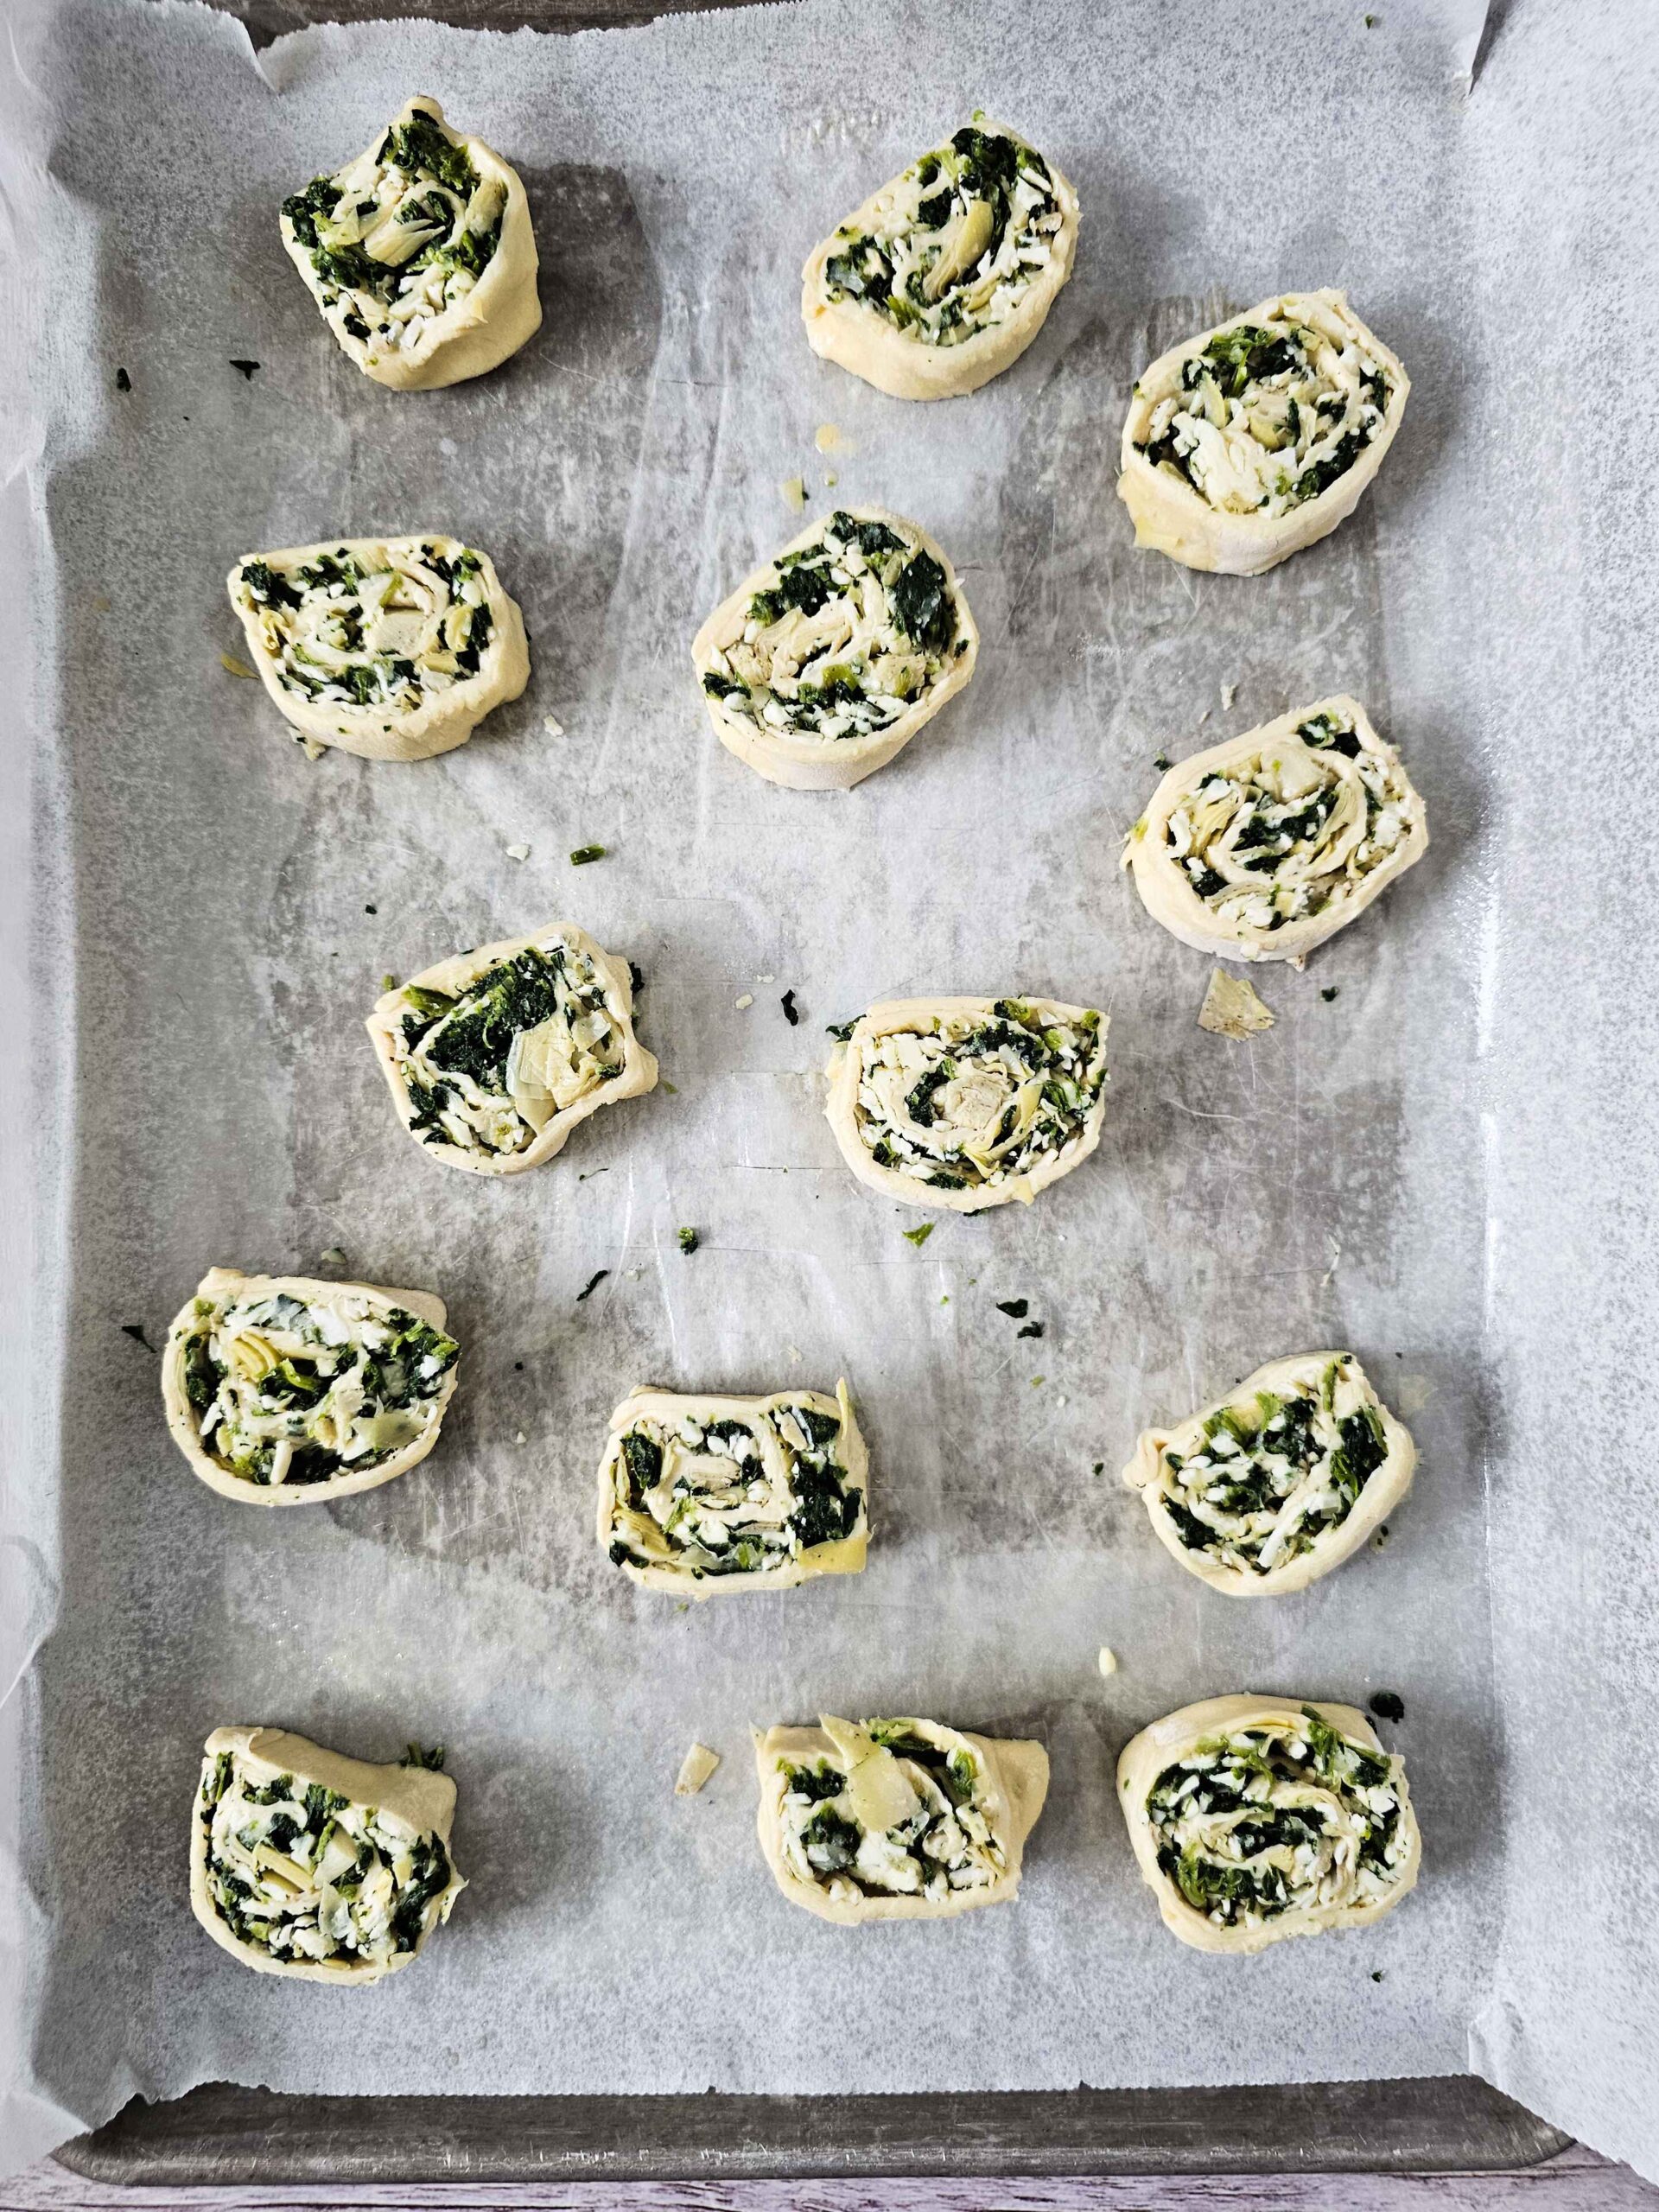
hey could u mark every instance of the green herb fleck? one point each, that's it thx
(1031, 1328)
(135, 1330)
(688, 1240)
(584, 853)
(123, 381)
(1329, 993)
(918, 1237)
(247, 368)
(594, 1281)
(1015, 1308)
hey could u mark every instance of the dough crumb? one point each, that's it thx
(827, 438)
(552, 725)
(766, 979)
(696, 1768)
(747, 1001)
(517, 852)
(794, 491)
(1231, 1007)
(1229, 693)
(1107, 1660)
(830, 480)
(233, 666)
(795, 1354)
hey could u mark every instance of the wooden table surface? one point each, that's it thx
(1577, 2181)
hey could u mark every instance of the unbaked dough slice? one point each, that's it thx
(1262, 848)
(1275, 1484)
(896, 1819)
(1257, 1818)
(941, 280)
(965, 1104)
(1257, 438)
(322, 1868)
(823, 664)
(495, 1056)
(419, 254)
(703, 1494)
(393, 648)
(285, 1390)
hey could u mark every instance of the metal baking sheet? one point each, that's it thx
(1125, 658)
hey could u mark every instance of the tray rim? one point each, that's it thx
(223, 2133)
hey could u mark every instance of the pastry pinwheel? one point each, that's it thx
(284, 1390)
(965, 1104)
(393, 648)
(896, 1819)
(419, 254)
(495, 1056)
(324, 1868)
(1248, 442)
(1257, 1818)
(1265, 846)
(699, 1494)
(1279, 1482)
(941, 280)
(823, 664)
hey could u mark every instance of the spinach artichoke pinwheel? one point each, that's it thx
(896, 1819)
(419, 254)
(393, 648)
(1257, 438)
(283, 1390)
(495, 1056)
(1256, 1818)
(703, 1494)
(1263, 847)
(965, 1104)
(941, 280)
(823, 664)
(324, 1868)
(1279, 1481)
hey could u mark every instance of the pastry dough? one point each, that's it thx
(322, 1868)
(1257, 1818)
(393, 648)
(896, 1819)
(965, 1104)
(283, 1390)
(823, 664)
(419, 254)
(701, 1494)
(941, 280)
(1279, 1481)
(495, 1055)
(1263, 847)
(1257, 438)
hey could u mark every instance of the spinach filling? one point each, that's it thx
(1266, 417)
(1257, 1484)
(487, 1067)
(398, 237)
(1278, 1817)
(293, 1392)
(309, 1877)
(725, 1497)
(852, 632)
(389, 629)
(957, 241)
(964, 1102)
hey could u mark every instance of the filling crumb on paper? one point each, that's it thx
(696, 1768)
(1231, 1007)
(552, 725)
(1107, 1660)
(793, 489)
(827, 438)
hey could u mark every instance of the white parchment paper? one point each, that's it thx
(1434, 1165)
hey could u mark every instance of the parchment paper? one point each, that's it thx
(1437, 1165)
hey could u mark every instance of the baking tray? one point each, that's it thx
(224, 2134)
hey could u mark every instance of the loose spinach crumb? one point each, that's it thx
(247, 367)
(584, 853)
(432, 1760)
(1099, 1467)
(371, 910)
(1031, 1328)
(688, 1240)
(123, 381)
(135, 1330)
(672, 1089)
(1377, 1971)
(636, 977)
(1015, 1308)
(1160, 759)
(388, 982)
(791, 1012)
(1329, 993)
(1388, 1707)
(594, 1281)
(841, 1030)
(918, 1237)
